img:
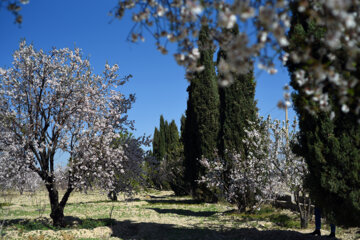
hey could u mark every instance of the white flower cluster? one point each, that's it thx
(263, 29)
(52, 102)
(268, 169)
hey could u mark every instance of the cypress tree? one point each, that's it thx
(168, 140)
(174, 141)
(162, 138)
(182, 128)
(202, 118)
(156, 142)
(331, 147)
(165, 140)
(237, 107)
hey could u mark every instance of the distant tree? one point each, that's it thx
(162, 138)
(167, 172)
(202, 118)
(22, 180)
(52, 102)
(173, 139)
(155, 143)
(172, 169)
(329, 142)
(127, 183)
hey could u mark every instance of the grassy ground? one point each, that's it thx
(150, 215)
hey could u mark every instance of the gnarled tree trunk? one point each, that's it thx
(112, 196)
(304, 208)
(57, 208)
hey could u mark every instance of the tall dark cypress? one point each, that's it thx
(331, 147)
(162, 138)
(156, 142)
(182, 127)
(174, 141)
(202, 118)
(237, 107)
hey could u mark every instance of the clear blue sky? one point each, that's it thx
(158, 82)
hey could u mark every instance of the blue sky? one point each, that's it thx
(158, 82)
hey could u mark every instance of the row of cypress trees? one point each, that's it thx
(215, 117)
(166, 139)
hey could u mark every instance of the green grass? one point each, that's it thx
(285, 221)
(33, 225)
(5, 204)
(269, 214)
(158, 215)
(94, 223)
(89, 239)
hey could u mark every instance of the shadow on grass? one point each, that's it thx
(155, 231)
(46, 223)
(105, 201)
(29, 224)
(184, 201)
(277, 218)
(161, 197)
(134, 230)
(183, 212)
(89, 202)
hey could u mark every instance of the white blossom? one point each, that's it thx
(270, 21)
(227, 19)
(270, 168)
(53, 102)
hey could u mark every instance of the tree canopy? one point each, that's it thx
(329, 142)
(52, 102)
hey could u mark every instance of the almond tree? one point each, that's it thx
(251, 178)
(270, 168)
(290, 169)
(53, 102)
(133, 178)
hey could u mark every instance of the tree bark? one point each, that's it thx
(304, 222)
(57, 208)
(112, 196)
(304, 210)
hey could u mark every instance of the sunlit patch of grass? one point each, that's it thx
(269, 214)
(24, 213)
